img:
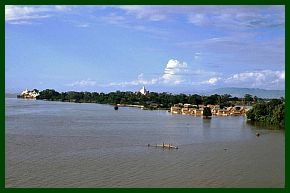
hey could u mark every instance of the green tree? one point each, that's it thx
(35, 90)
(271, 112)
(195, 99)
(49, 94)
(248, 98)
(207, 112)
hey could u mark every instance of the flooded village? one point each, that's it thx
(197, 110)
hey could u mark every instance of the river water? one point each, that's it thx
(56, 144)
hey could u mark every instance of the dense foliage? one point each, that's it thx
(271, 112)
(207, 112)
(152, 101)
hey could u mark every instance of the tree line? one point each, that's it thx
(163, 100)
(270, 112)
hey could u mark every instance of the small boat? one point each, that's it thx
(116, 107)
(169, 146)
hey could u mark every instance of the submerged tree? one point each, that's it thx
(207, 112)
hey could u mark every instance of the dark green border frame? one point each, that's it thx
(131, 2)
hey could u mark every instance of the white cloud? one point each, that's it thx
(23, 13)
(238, 17)
(173, 74)
(174, 71)
(198, 19)
(125, 21)
(113, 18)
(83, 83)
(133, 16)
(243, 45)
(212, 81)
(15, 14)
(258, 79)
(230, 17)
(21, 22)
(152, 13)
(82, 25)
(139, 81)
(179, 73)
(157, 17)
(265, 79)
(63, 8)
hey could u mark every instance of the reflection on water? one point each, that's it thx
(261, 125)
(206, 123)
(55, 144)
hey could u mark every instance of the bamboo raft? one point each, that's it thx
(168, 146)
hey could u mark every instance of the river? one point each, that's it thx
(57, 144)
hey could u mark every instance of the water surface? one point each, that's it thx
(56, 144)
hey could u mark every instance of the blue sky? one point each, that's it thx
(165, 48)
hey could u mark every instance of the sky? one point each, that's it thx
(164, 48)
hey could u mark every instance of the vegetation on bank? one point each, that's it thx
(264, 110)
(271, 112)
(152, 100)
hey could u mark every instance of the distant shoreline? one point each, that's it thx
(119, 105)
(11, 95)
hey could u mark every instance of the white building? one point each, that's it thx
(29, 94)
(24, 92)
(144, 91)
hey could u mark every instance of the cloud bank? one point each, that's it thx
(15, 14)
(177, 73)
